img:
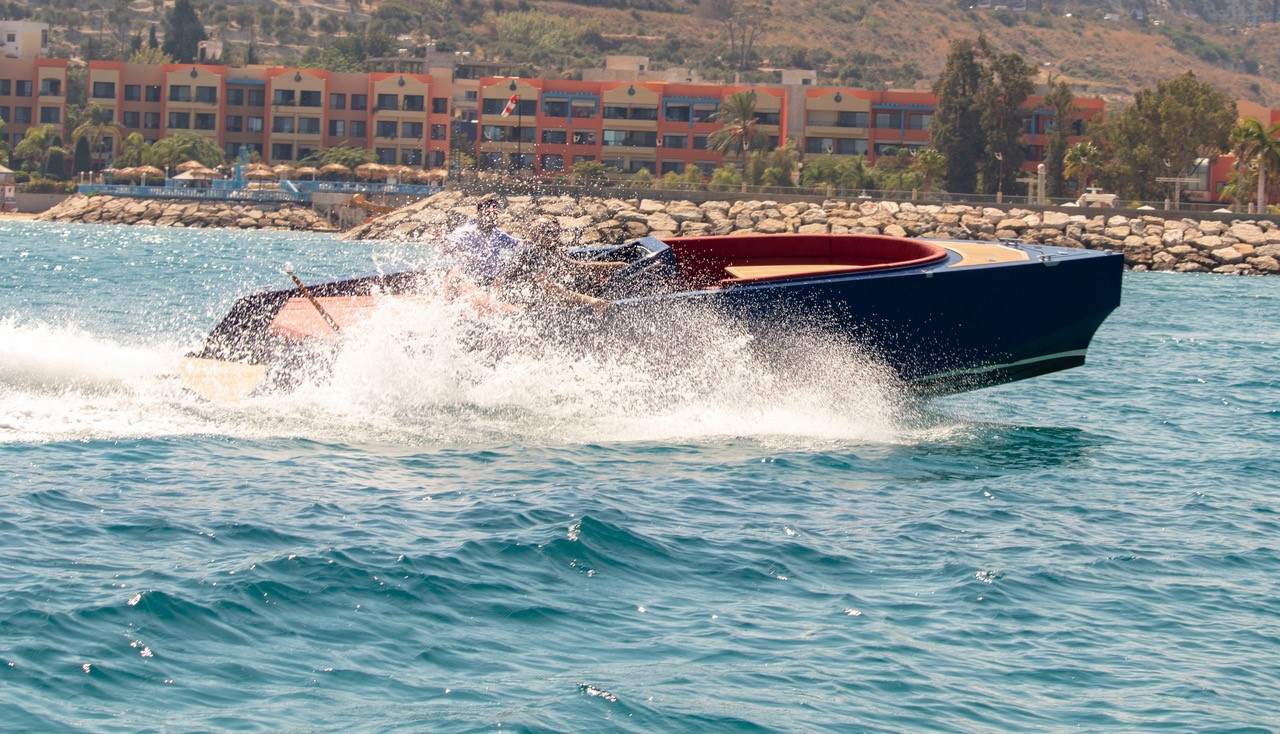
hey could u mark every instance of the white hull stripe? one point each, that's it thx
(993, 367)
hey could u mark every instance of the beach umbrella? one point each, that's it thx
(260, 174)
(127, 173)
(437, 175)
(284, 170)
(201, 172)
(188, 165)
(371, 171)
(311, 171)
(334, 168)
(149, 172)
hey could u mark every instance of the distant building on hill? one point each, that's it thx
(22, 39)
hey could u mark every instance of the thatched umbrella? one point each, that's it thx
(201, 172)
(334, 169)
(437, 175)
(188, 166)
(311, 171)
(284, 170)
(260, 174)
(149, 172)
(257, 167)
(128, 173)
(370, 171)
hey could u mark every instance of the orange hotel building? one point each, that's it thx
(284, 113)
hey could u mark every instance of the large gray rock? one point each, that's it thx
(1228, 256)
(1248, 233)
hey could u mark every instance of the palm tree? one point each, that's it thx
(1083, 162)
(741, 132)
(931, 165)
(37, 146)
(133, 151)
(1257, 148)
(95, 126)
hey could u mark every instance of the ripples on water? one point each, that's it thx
(440, 540)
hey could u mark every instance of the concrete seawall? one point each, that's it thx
(1235, 247)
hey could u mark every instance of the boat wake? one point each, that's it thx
(421, 372)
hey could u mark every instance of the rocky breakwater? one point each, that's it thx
(1240, 247)
(179, 213)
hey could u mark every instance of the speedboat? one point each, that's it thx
(943, 316)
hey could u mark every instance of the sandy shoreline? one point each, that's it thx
(18, 215)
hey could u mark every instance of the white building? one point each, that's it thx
(23, 39)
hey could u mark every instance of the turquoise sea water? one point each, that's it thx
(450, 540)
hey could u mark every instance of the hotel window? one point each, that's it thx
(706, 168)
(676, 113)
(584, 137)
(552, 162)
(253, 124)
(634, 166)
(523, 160)
(22, 115)
(494, 134)
(614, 112)
(282, 125)
(526, 134)
(207, 95)
(6, 115)
(852, 119)
(358, 129)
(388, 101)
(153, 93)
(919, 120)
(206, 121)
(644, 113)
(385, 129)
(305, 152)
(386, 156)
(411, 157)
(104, 90)
(439, 132)
(851, 146)
(235, 123)
(309, 99)
(235, 97)
(704, 112)
(180, 120)
(283, 97)
(51, 115)
(231, 150)
(412, 130)
(337, 101)
(415, 103)
(889, 120)
(255, 97)
(107, 144)
(699, 142)
(887, 148)
(435, 159)
(6, 87)
(22, 88)
(132, 92)
(51, 87)
(675, 141)
(614, 137)
(583, 159)
(676, 167)
(359, 101)
(281, 151)
(150, 120)
(555, 107)
(337, 128)
(583, 108)
(767, 118)
(439, 105)
(180, 94)
(309, 125)
(555, 137)
(469, 95)
(131, 119)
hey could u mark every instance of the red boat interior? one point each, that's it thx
(707, 262)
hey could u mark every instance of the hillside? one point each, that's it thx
(1105, 48)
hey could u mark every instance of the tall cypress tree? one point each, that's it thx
(82, 161)
(1060, 99)
(1006, 85)
(956, 131)
(183, 33)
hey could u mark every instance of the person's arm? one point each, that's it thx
(571, 297)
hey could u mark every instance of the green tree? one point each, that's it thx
(150, 55)
(1163, 133)
(1082, 162)
(1007, 84)
(1063, 103)
(1257, 152)
(931, 165)
(183, 147)
(37, 146)
(956, 130)
(133, 151)
(183, 33)
(834, 172)
(95, 124)
(741, 131)
(342, 154)
(82, 161)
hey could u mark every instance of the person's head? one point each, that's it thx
(487, 212)
(545, 232)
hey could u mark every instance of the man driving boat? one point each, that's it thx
(539, 274)
(478, 247)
